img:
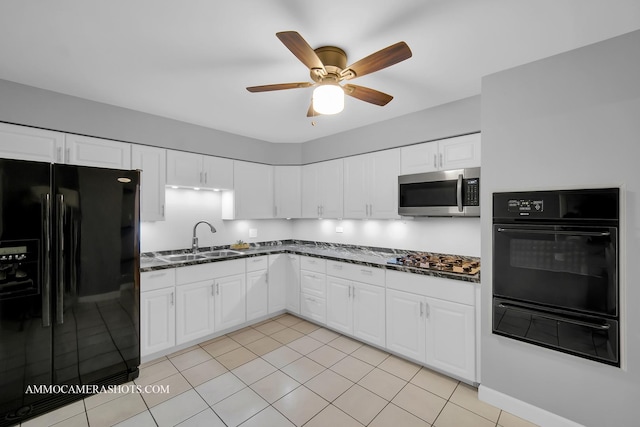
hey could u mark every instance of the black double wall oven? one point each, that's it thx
(555, 270)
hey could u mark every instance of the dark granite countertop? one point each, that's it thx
(361, 255)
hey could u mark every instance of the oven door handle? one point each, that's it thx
(559, 232)
(459, 193)
(604, 327)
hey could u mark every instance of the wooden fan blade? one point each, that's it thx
(301, 49)
(377, 61)
(366, 94)
(279, 86)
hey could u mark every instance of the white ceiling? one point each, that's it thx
(191, 60)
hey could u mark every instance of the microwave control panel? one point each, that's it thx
(472, 192)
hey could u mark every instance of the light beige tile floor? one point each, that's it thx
(286, 372)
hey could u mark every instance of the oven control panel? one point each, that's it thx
(525, 206)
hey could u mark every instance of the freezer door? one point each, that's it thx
(25, 334)
(96, 309)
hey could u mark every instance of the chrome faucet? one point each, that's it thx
(194, 241)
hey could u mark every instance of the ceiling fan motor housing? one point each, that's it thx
(334, 60)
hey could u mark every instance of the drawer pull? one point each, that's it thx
(157, 275)
(337, 267)
(363, 271)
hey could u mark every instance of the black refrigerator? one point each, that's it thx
(69, 283)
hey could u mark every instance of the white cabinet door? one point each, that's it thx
(25, 143)
(277, 279)
(405, 325)
(331, 188)
(217, 173)
(287, 191)
(253, 191)
(292, 274)
(419, 158)
(152, 162)
(194, 311)
(339, 304)
(384, 168)
(88, 151)
(257, 294)
(450, 337)
(357, 186)
(184, 169)
(322, 190)
(460, 152)
(230, 307)
(311, 198)
(157, 320)
(452, 153)
(368, 313)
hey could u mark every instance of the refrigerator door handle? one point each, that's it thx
(46, 274)
(60, 260)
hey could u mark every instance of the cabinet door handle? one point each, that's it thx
(212, 292)
(67, 155)
(353, 292)
(162, 210)
(435, 161)
(349, 290)
(427, 310)
(441, 163)
(206, 179)
(172, 298)
(217, 288)
(200, 177)
(266, 277)
(421, 308)
(59, 155)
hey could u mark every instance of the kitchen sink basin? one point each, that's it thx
(220, 253)
(182, 257)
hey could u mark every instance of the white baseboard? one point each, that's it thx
(523, 410)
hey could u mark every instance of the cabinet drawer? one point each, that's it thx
(313, 283)
(356, 272)
(314, 308)
(151, 280)
(313, 264)
(257, 263)
(197, 273)
(436, 287)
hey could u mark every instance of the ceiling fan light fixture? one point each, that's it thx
(328, 98)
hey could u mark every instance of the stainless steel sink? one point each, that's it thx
(182, 257)
(220, 253)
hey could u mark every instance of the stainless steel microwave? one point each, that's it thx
(443, 193)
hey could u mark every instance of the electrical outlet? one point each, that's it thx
(339, 229)
(253, 232)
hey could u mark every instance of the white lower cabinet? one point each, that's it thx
(157, 320)
(439, 332)
(257, 287)
(356, 308)
(230, 307)
(194, 311)
(284, 283)
(313, 292)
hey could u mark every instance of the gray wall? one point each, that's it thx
(452, 119)
(567, 121)
(30, 106)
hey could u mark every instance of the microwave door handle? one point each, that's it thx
(459, 193)
(558, 232)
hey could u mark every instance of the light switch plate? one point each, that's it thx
(253, 232)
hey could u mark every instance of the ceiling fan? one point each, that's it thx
(328, 67)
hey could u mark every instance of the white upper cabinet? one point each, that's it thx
(152, 162)
(287, 194)
(371, 185)
(196, 170)
(25, 143)
(322, 189)
(102, 153)
(252, 196)
(452, 153)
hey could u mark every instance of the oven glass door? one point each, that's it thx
(572, 268)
